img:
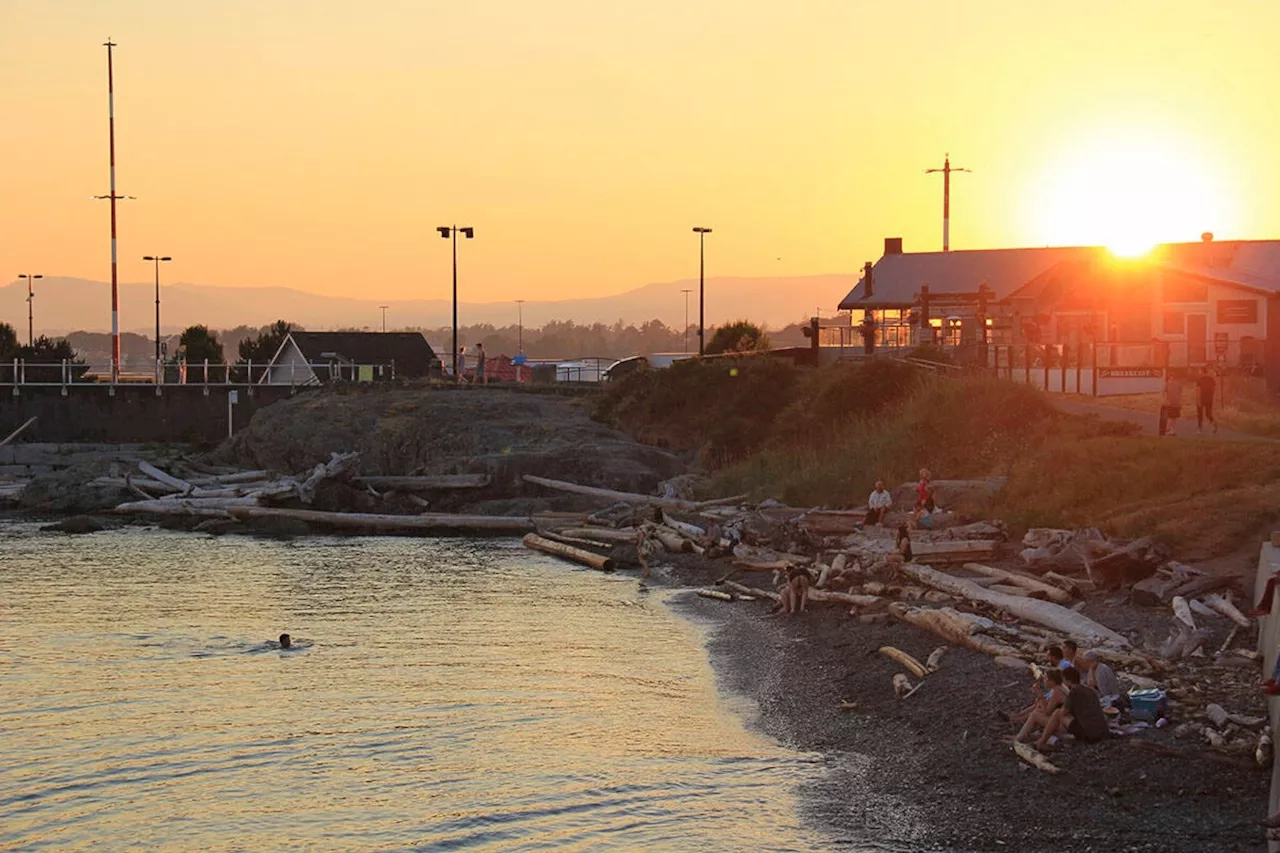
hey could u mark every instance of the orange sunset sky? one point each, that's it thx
(316, 144)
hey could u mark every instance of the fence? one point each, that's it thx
(1105, 368)
(19, 373)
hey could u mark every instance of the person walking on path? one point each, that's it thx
(460, 363)
(1170, 404)
(1205, 386)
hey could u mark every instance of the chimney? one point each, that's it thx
(868, 279)
(1207, 236)
(893, 245)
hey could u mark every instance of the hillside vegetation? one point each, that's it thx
(821, 437)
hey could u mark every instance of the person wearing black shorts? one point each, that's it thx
(1205, 386)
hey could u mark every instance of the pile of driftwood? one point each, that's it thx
(254, 495)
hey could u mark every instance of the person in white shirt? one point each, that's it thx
(878, 504)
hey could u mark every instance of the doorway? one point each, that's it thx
(1197, 338)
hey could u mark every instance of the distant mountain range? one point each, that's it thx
(63, 305)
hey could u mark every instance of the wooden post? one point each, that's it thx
(1079, 359)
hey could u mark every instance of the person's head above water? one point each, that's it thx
(285, 642)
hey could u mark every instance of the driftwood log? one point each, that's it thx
(1049, 591)
(424, 483)
(952, 627)
(1227, 609)
(568, 552)
(17, 432)
(1045, 613)
(628, 497)
(1035, 759)
(899, 656)
(752, 591)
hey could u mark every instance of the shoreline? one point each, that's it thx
(945, 778)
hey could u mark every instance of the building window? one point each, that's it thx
(1174, 323)
(1237, 311)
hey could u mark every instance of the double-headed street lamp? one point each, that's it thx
(450, 232)
(157, 260)
(31, 296)
(702, 281)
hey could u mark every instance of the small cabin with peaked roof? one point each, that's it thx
(318, 358)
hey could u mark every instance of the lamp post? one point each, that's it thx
(113, 198)
(686, 293)
(31, 296)
(702, 287)
(157, 260)
(450, 232)
(384, 316)
(520, 326)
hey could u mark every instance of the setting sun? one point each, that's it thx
(1129, 191)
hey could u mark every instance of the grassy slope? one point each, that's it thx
(821, 437)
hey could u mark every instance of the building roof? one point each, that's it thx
(409, 351)
(896, 279)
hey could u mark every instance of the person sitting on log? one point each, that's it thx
(879, 504)
(1070, 654)
(1102, 678)
(922, 516)
(1049, 693)
(1081, 716)
(1056, 658)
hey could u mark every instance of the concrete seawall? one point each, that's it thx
(193, 414)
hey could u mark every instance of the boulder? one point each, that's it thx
(77, 524)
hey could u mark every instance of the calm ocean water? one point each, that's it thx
(450, 695)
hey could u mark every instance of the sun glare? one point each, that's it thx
(1129, 194)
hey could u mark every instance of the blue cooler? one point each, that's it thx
(1148, 705)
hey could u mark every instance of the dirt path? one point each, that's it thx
(1149, 421)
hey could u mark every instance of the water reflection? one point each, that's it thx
(443, 694)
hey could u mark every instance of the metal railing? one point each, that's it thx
(19, 373)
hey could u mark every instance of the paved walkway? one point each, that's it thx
(1150, 421)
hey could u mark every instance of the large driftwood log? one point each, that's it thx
(607, 534)
(437, 481)
(672, 541)
(844, 598)
(246, 508)
(1049, 591)
(185, 506)
(956, 551)
(568, 552)
(952, 627)
(610, 494)
(1041, 612)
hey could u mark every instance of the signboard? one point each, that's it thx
(1130, 372)
(1238, 311)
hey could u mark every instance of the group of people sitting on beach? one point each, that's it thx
(926, 504)
(1071, 697)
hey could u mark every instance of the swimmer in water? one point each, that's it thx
(285, 642)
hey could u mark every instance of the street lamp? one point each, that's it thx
(157, 260)
(450, 232)
(686, 293)
(520, 311)
(31, 295)
(702, 290)
(384, 316)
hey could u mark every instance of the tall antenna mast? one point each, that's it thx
(946, 171)
(115, 279)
